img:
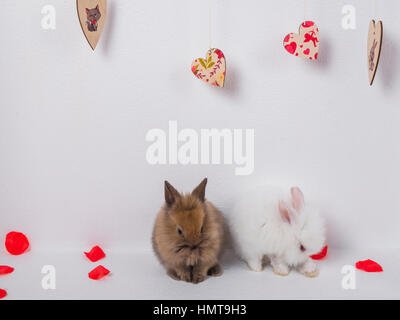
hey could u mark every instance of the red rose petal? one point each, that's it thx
(369, 266)
(3, 293)
(95, 254)
(16, 243)
(98, 273)
(321, 255)
(6, 270)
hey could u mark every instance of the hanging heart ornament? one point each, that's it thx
(92, 16)
(212, 68)
(304, 44)
(375, 35)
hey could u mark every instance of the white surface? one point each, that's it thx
(137, 275)
(73, 123)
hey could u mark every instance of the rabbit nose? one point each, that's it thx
(195, 246)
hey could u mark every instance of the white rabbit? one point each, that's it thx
(268, 222)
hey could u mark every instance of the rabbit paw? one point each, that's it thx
(309, 269)
(185, 276)
(255, 265)
(311, 274)
(198, 277)
(215, 271)
(279, 267)
(281, 270)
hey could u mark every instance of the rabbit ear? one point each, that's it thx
(200, 191)
(297, 198)
(170, 193)
(284, 210)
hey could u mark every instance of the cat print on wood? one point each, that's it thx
(93, 16)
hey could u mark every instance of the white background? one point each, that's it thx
(73, 171)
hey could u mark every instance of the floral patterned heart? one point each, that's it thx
(305, 44)
(211, 69)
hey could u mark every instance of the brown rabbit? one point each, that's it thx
(187, 235)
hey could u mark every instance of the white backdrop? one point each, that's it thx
(73, 167)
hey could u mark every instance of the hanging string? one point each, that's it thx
(376, 13)
(305, 10)
(209, 24)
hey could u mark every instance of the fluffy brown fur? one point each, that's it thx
(188, 234)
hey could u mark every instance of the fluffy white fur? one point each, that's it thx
(269, 221)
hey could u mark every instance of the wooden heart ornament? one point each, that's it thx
(375, 36)
(211, 69)
(304, 44)
(92, 16)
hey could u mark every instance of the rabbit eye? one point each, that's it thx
(180, 232)
(302, 249)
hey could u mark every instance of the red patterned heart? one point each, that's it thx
(305, 44)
